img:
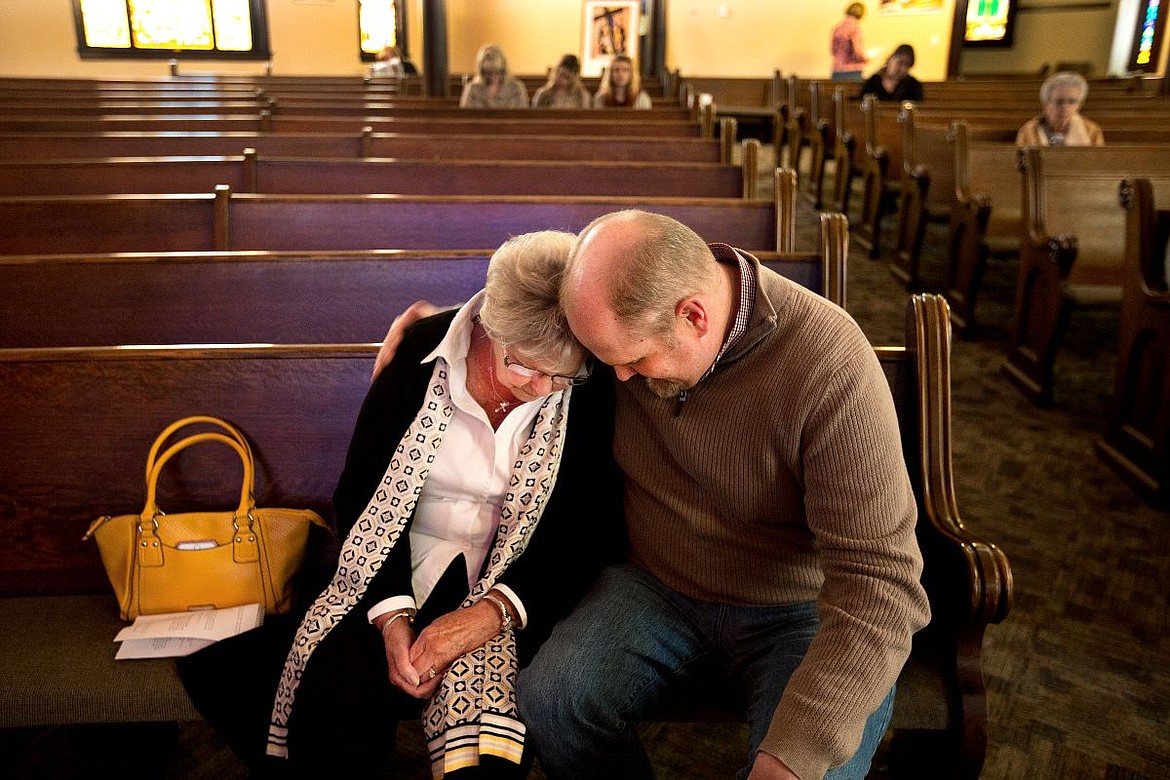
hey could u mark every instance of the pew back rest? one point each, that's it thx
(1073, 192)
(989, 172)
(144, 143)
(222, 298)
(310, 175)
(83, 420)
(271, 297)
(123, 223)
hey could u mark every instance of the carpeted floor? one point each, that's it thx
(1078, 674)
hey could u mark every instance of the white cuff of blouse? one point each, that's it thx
(396, 603)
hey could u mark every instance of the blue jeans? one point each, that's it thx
(633, 647)
(848, 75)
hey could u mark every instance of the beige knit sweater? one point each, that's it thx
(781, 480)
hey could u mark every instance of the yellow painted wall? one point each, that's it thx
(705, 38)
(757, 36)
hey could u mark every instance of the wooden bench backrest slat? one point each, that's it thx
(124, 223)
(62, 145)
(370, 175)
(106, 300)
(535, 125)
(1136, 441)
(1071, 191)
(83, 421)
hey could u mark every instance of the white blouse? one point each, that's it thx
(459, 508)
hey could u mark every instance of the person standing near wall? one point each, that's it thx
(845, 46)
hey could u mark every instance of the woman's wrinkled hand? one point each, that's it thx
(453, 635)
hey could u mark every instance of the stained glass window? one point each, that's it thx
(1148, 38)
(379, 25)
(213, 28)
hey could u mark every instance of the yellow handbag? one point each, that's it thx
(159, 562)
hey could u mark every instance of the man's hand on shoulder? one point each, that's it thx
(768, 767)
(414, 312)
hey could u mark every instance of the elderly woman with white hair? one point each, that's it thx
(1060, 122)
(476, 505)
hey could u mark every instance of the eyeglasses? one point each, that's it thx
(525, 372)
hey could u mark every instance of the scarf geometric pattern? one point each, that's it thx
(473, 712)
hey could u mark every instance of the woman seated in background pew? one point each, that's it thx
(893, 81)
(564, 88)
(445, 584)
(621, 86)
(493, 86)
(1060, 122)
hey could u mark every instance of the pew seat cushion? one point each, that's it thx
(57, 667)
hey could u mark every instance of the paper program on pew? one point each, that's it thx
(181, 633)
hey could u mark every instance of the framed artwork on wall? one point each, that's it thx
(610, 28)
(889, 7)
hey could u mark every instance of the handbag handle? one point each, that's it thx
(151, 511)
(223, 425)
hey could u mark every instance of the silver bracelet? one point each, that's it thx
(406, 613)
(505, 615)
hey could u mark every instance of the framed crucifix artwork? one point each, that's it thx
(610, 28)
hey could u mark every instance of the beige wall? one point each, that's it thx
(1050, 35)
(705, 38)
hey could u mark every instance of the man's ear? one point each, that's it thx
(694, 312)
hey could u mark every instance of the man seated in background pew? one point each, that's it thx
(776, 559)
(1060, 122)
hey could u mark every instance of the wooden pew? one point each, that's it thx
(929, 192)
(65, 405)
(224, 297)
(226, 221)
(536, 123)
(1072, 250)
(83, 420)
(275, 297)
(751, 101)
(69, 145)
(847, 122)
(928, 186)
(251, 172)
(1136, 442)
(882, 154)
(818, 129)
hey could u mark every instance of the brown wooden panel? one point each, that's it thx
(82, 423)
(106, 223)
(491, 177)
(294, 298)
(420, 222)
(79, 145)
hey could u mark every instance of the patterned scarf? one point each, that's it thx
(473, 712)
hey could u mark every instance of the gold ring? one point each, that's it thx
(432, 673)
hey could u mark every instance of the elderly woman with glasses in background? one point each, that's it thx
(478, 500)
(1060, 122)
(493, 85)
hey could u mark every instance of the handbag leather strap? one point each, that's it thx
(245, 539)
(206, 419)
